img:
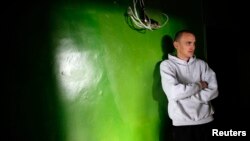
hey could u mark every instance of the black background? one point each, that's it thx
(228, 54)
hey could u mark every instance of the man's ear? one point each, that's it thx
(175, 44)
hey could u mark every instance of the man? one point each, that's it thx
(190, 85)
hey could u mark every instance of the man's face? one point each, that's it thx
(185, 46)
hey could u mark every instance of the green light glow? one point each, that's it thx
(105, 74)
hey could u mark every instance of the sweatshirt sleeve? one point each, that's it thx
(172, 88)
(211, 92)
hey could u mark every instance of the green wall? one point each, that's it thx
(90, 77)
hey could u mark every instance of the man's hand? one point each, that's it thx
(203, 84)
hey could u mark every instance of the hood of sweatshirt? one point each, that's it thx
(181, 62)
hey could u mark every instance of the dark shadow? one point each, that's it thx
(233, 82)
(35, 109)
(159, 95)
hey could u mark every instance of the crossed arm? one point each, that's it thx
(202, 91)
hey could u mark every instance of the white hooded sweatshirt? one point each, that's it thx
(188, 103)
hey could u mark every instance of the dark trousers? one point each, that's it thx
(202, 132)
